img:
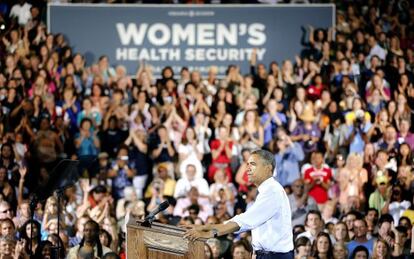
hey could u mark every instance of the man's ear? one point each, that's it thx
(269, 167)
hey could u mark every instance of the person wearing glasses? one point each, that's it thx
(268, 219)
(300, 202)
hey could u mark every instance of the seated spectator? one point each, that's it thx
(90, 244)
(5, 210)
(381, 249)
(341, 233)
(241, 250)
(340, 251)
(322, 246)
(313, 225)
(404, 135)
(302, 248)
(360, 252)
(76, 239)
(360, 237)
(7, 228)
(31, 233)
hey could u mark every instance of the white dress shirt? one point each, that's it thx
(269, 219)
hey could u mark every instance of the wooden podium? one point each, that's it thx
(160, 241)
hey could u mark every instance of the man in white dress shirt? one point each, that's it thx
(269, 218)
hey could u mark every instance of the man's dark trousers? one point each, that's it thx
(273, 255)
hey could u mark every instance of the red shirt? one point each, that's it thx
(319, 193)
(222, 157)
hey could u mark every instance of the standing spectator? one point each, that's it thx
(352, 179)
(87, 142)
(21, 11)
(121, 173)
(318, 177)
(188, 180)
(138, 158)
(307, 132)
(300, 202)
(288, 156)
(221, 151)
(251, 132)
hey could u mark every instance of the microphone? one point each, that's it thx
(163, 206)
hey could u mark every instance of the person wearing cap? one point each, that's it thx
(379, 198)
(307, 133)
(269, 218)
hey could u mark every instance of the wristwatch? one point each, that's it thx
(215, 232)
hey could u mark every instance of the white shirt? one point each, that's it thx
(269, 219)
(22, 12)
(184, 185)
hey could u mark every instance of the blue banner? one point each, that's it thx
(196, 36)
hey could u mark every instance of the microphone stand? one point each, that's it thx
(59, 195)
(33, 204)
(148, 222)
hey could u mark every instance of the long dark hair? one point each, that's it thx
(315, 252)
(96, 237)
(24, 235)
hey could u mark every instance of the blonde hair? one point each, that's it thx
(355, 157)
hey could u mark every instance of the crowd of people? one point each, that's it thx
(338, 120)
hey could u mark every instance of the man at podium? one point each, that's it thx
(269, 218)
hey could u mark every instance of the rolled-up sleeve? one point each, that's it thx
(261, 211)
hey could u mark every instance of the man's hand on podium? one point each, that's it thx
(195, 232)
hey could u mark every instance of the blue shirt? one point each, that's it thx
(287, 164)
(271, 128)
(353, 244)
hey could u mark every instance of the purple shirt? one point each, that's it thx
(409, 139)
(308, 146)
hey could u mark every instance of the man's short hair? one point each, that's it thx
(266, 156)
(314, 212)
(385, 218)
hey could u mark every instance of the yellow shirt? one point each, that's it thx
(409, 214)
(169, 188)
